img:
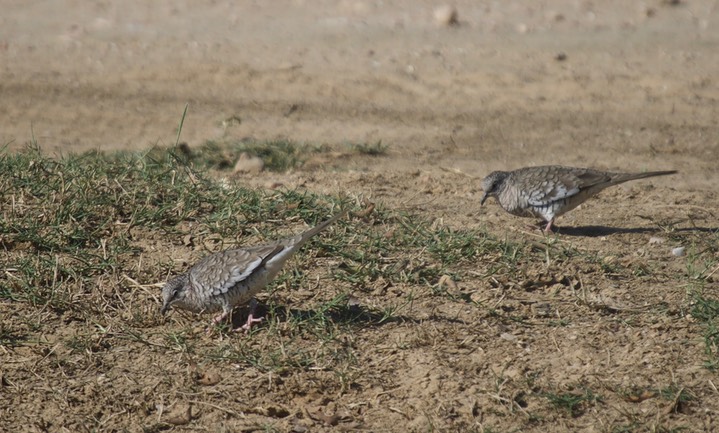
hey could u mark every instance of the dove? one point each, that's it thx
(549, 191)
(233, 277)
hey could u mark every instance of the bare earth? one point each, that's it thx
(616, 85)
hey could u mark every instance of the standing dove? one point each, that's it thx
(551, 190)
(223, 280)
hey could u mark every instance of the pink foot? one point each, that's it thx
(539, 225)
(220, 317)
(251, 319)
(216, 320)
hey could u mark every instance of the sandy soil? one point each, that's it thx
(618, 85)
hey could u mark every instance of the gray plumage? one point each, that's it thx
(549, 191)
(223, 280)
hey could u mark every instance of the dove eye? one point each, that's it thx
(177, 291)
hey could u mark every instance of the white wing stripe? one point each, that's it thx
(237, 275)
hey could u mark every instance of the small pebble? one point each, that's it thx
(249, 164)
(446, 15)
(555, 16)
(507, 336)
(678, 251)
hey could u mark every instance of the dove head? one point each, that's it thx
(174, 291)
(492, 184)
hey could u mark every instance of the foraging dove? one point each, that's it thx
(551, 190)
(223, 280)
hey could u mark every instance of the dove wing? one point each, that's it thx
(232, 267)
(221, 272)
(566, 184)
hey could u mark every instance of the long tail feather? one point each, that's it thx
(624, 177)
(299, 240)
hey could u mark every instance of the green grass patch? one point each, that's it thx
(277, 155)
(370, 149)
(81, 232)
(573, 403)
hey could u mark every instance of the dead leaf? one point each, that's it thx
(367, 211)
(330, 420)
(445, 281)
(182, 415)
(209, 378)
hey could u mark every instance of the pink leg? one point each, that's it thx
(548, 229)
(251, 318)
(217, 319)
(220, 317)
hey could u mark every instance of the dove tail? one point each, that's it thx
(633, 176)
(287, 247)
(304, 237)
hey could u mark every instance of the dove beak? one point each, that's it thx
(164, 308)
(484, 198)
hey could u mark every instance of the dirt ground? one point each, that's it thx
(627, 86)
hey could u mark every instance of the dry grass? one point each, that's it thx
(385, 320)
